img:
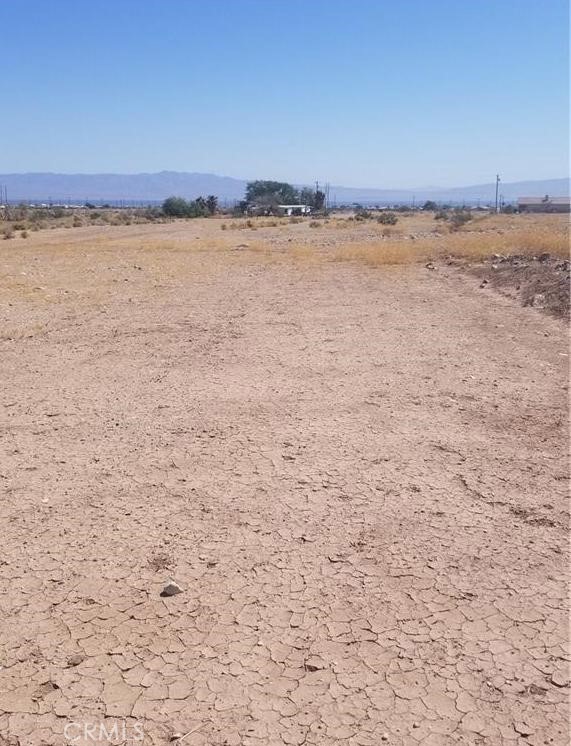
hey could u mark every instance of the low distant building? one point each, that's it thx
(544, 204)
(263, 209)
(295, 209)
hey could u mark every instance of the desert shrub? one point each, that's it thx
(175, 207)
(315, 224)
(362, 214)
(441, 215)
(77, 223)
(459, 218)
(24, 234)
(430, 206)
(387, 218)
(223, 227)
(151, 214)
(8, 233)
(294, 219)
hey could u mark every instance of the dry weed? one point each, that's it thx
(381, 252)
(530, 241)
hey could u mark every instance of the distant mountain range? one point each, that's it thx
(132, 188)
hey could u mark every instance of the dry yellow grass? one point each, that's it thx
(27, 332)
(528, 241)
(380, 252)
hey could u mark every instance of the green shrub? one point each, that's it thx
(175, 207)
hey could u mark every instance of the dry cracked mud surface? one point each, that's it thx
(358, 477)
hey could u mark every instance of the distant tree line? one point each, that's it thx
(201, 207)
(271, 194)
(263, 196)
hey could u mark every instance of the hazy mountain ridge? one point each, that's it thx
(157, 186)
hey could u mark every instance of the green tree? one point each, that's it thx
(199, 206)
(176, 207)
(319, 200)
(313, 198)
(271, 192)
(307, 196)
(211, 204)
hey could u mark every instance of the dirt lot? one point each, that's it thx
(356, 474)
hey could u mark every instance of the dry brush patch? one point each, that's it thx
(462, 244)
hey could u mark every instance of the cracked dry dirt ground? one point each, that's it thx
(358, 477)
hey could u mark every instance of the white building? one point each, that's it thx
(295, 209)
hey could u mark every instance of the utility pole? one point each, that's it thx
(497, 188)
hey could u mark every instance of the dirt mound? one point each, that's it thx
(540, 281)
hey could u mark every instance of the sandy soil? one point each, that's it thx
(357, 476)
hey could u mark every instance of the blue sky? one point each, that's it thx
(354, 92)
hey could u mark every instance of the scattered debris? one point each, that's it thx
(160, 561)
(541, 281)
(558, 678)
(180, 736)
(172, 588)
(75, 660)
